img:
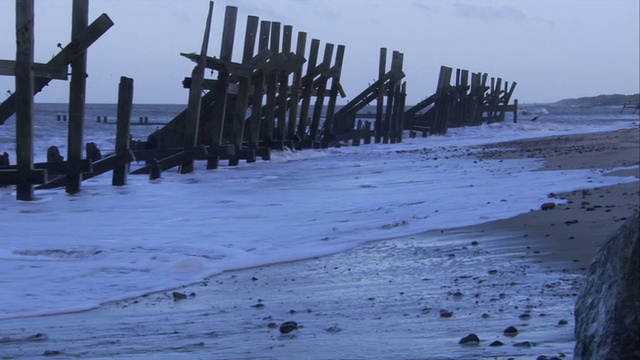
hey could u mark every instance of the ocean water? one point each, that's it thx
(64, 253)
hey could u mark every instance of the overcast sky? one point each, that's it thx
(553, 49)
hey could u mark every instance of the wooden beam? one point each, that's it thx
(380, 100)
(258, 90)
(220, 95)
(77, 93)
(8, 67)
(333, 92)
(192, 122)
(321, 88)
(25, 175)
(123, 129)
(307, 85)
(13, 177)
(295, 86)
(72, 51)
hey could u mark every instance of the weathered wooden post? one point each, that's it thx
(295, 87)
(77, 90)
(272, 88)
(333, 92)
(283, 86)
(380, 100)
(192, 121)
(220, 95)
(308, 89)
(321, 88)
(24, 96)
(123, 128)
(258, 90)
(242, 98)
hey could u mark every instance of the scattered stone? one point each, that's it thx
(523, 344)
(333, 329)
(548, 206)
(493, 272)
(272, 325)
(254, 278)
(178, 296)
(446, 313)
(51, 353)
(258, 306)
(471, 339)
(570, 222)
(511, 331)
(524, 316)
(563, 322)
(542, 357)
(497, 343)
(485, 316)
(475, 243)
(288, 326)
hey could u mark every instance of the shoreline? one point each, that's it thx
(380, 300)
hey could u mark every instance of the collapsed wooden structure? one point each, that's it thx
(273, 99)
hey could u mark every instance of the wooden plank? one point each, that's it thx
(13, 177)
(295, 87)
(307, 89)
(59, 168)
(8, 67)
(380, 100)
(272, 88)
(283, 85)
(74, 49)
(333, 92)
(77, 91)
(24, 83)
(219, 111)
(123, 128)
(192, 121)
(242, 98)
(318, 106)
(99, 167)
(258, 90)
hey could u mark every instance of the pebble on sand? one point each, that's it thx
(288, 326)
(511, 331)
(471, 339)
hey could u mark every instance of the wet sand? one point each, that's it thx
(412, 297)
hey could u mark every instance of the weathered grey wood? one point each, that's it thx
(219, 111)
(308, 89)
(333, 92)
(295, 87)
(242, 98)
(8, 67)
(77, 92)
(400, 114)
(380, 100)
(283, 86)
(272, 88)
(24, 102)
(123, 129)
(59, 168)
(74, 49)
(12, 177)
(389, 119)
(258, 90)
(192, 121)
(99, 167)
(321, 88)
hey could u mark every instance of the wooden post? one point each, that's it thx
(295, 87)
(308, 89)
(192, 121)
(77, 90)
(380, 100)
(283, 87)
(258, 90)
(123, 128)
(333, 93)
(220, 101)
(272, 88)
(322, 85)
(242, 97)
(24, 94)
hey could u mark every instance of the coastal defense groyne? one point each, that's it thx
(278, 96)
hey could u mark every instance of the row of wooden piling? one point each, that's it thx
(262, 103)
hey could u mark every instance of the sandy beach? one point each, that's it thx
(376, 301)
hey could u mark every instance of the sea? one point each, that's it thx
(66, 253)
